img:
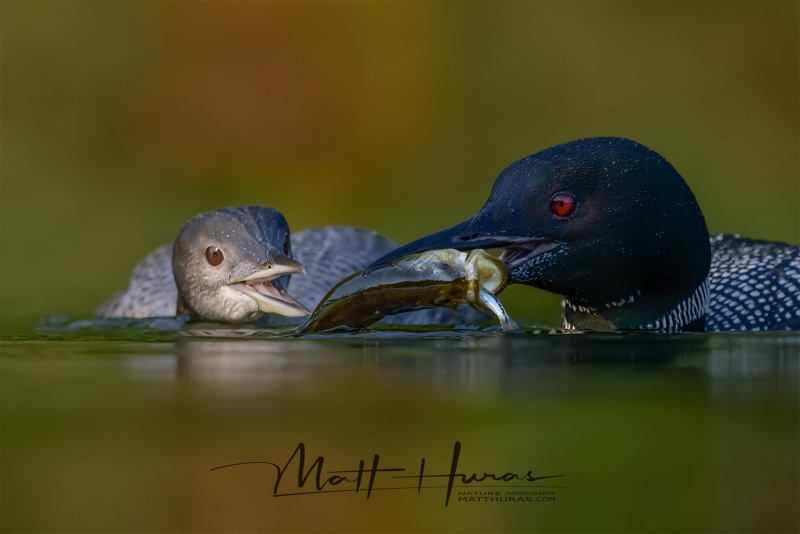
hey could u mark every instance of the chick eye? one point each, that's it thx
(214, 256)
(562, 204)
(286, 245)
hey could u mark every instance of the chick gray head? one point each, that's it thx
(233, 265)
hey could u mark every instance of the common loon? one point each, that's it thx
(243, 264)
(611, 225)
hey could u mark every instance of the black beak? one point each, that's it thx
(463, 236)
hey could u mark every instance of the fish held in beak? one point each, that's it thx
(465, 236)
(430, 279)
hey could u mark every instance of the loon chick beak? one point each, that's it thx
(268, 292)
(279, 266)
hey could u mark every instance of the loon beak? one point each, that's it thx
(268, 292)
(468, 236)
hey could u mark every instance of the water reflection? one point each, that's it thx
(209, 351)
(642, 426)
(473, 362)
(753, 356)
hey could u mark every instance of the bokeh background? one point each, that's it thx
(122, 120)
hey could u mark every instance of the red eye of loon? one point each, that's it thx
(214, 256)
(562, 204)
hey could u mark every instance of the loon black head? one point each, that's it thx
(606, 222)
(233, 265)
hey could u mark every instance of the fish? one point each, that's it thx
(435, 278)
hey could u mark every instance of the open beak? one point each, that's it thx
(268, 292)
(466, 236)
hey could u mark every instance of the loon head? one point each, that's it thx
(606, 222)
(233, 265)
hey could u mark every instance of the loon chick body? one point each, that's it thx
(251, 279)
(611, 225)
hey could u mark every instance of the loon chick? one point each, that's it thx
(234, 265)
(226, 265)
(611, 225)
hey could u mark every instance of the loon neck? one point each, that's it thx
(636, 312)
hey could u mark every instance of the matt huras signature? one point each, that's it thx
(294, 478)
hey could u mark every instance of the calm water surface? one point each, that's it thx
(121, 429)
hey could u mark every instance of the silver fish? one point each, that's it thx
(430, 279)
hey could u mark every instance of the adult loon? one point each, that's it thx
(241, 264)
(611, 225)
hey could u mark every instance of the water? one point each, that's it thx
(121, 429)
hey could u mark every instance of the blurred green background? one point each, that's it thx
(120, 121)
